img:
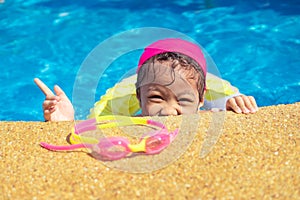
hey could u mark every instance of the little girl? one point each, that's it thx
(172, 79)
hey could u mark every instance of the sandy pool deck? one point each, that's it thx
(256, 157)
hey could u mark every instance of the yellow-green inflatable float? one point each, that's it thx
(121, 99)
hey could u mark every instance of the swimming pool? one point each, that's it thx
(255, 45)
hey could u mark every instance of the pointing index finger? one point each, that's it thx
(44, 88)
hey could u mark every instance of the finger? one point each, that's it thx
(43, 87)
(232, 105)
(58, 91)
(253, 103)
(50, 110)
(240, 101)
(47, 114)
(47, 104)
(52, 98)
(248, 104)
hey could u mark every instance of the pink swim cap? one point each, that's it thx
(174, 45)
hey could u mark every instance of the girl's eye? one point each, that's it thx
(186, 100)
(156, 98)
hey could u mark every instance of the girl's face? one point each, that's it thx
(164, 91)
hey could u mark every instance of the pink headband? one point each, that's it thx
(174, 45)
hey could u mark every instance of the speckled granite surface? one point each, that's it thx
(256, 157)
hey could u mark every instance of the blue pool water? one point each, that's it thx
(255, 45)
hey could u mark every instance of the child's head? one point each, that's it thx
(171, 78)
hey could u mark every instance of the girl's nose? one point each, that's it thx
(170, 110)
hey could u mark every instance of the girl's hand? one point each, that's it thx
(242, 104)
(56, 107)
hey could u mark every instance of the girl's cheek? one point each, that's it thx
(189, 110)
(153, 109)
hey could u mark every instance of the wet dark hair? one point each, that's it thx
(178, 61)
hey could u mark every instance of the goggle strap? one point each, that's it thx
(156, 123)
(77, 139)
(65, 147)
(87, 125)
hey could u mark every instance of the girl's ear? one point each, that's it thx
(138, 95)
(201, 103)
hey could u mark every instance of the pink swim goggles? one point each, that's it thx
(115, 148)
